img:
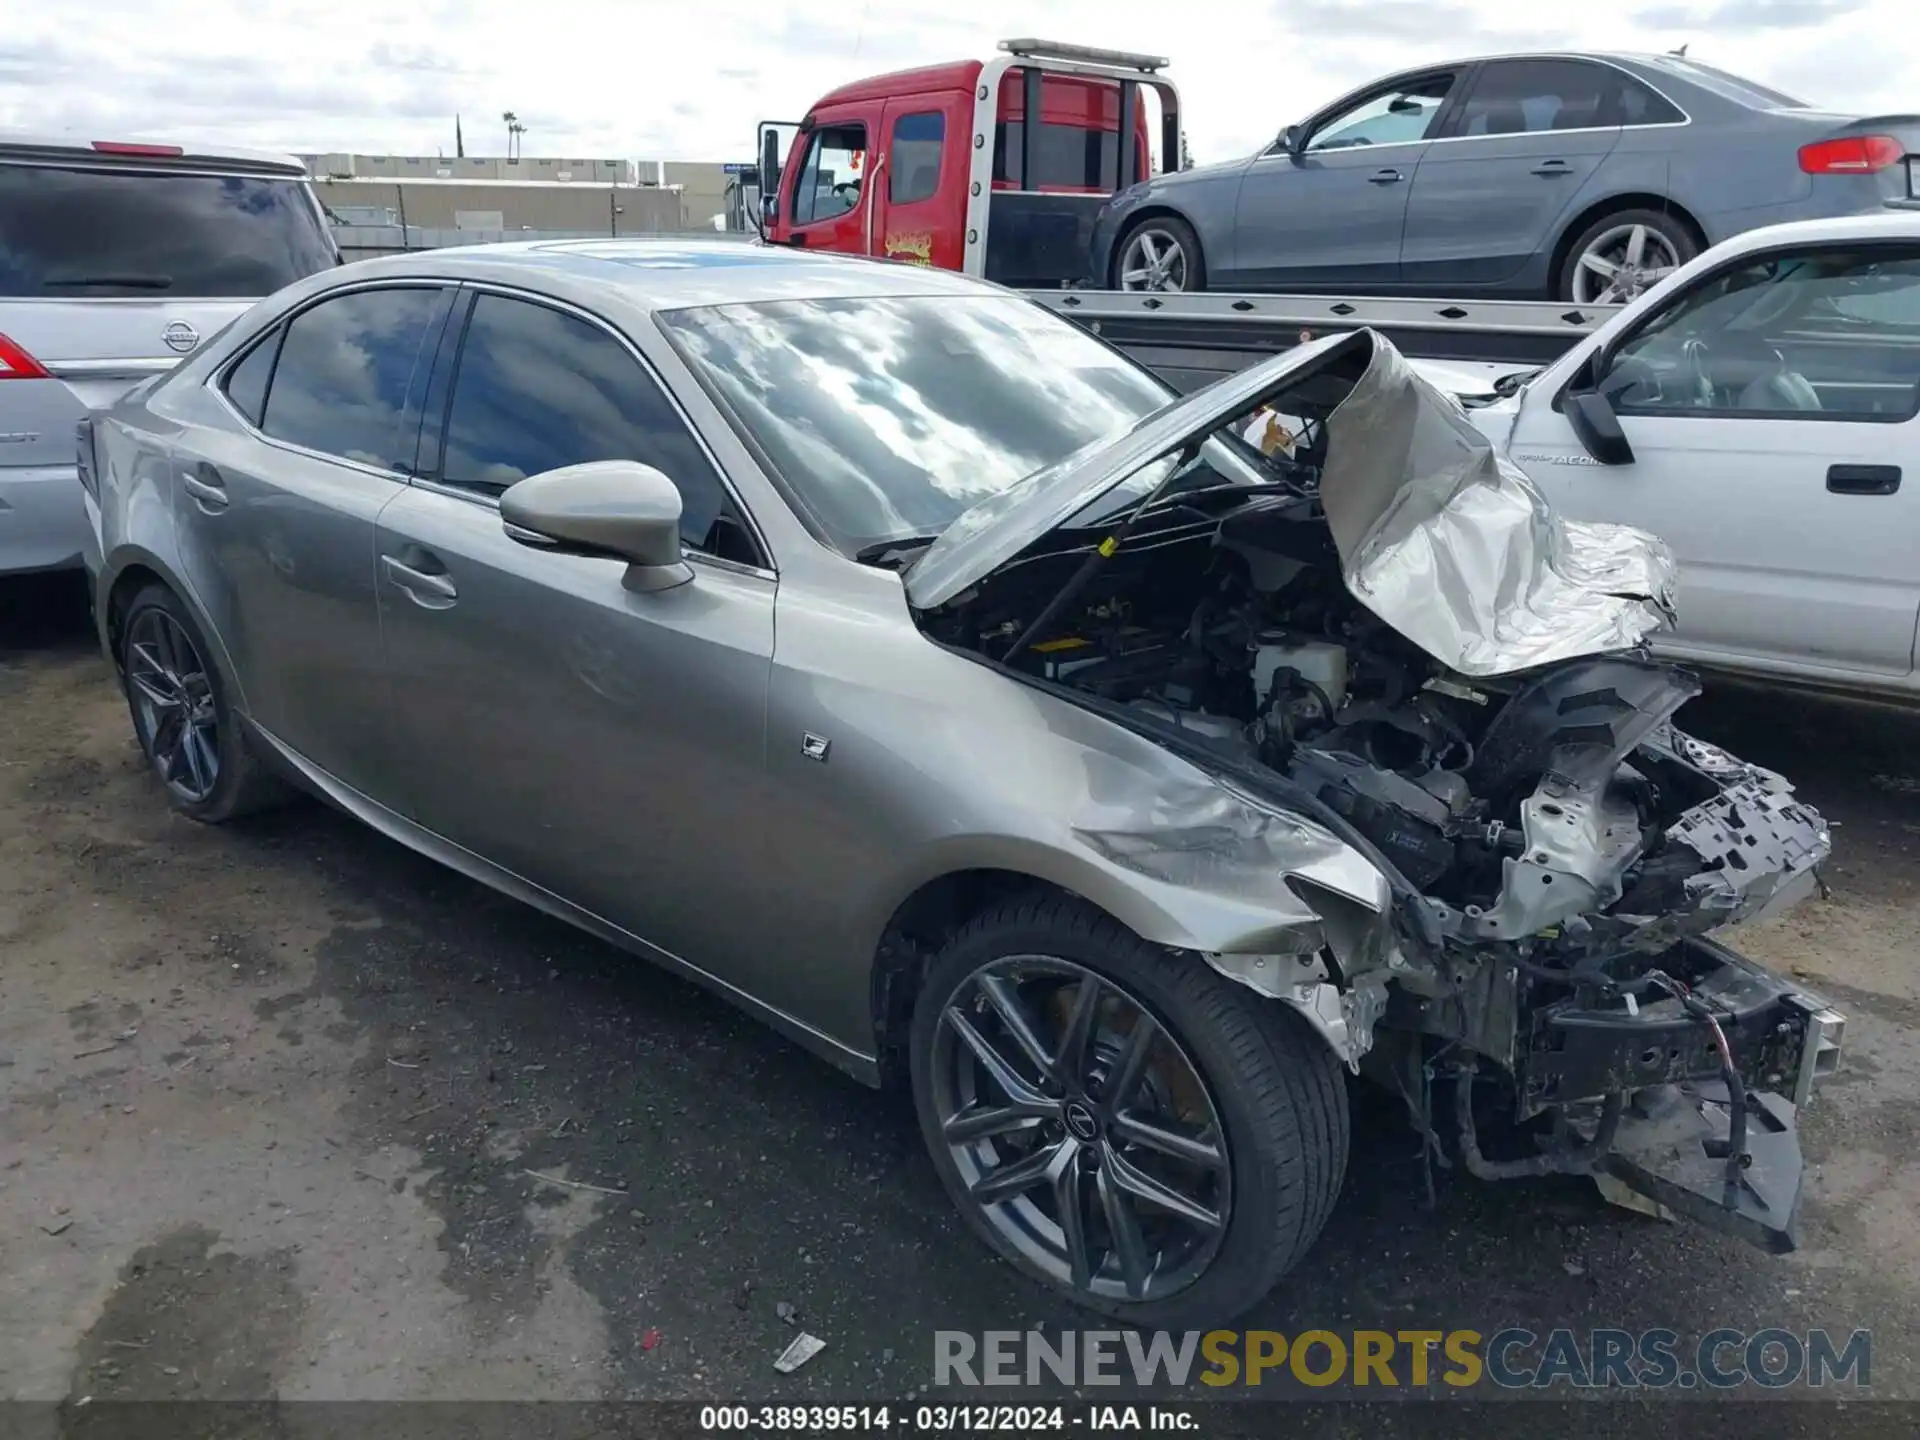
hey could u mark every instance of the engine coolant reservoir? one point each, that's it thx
(1321, 661)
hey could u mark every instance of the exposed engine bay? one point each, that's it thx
(1558, 850)
(1560, 812)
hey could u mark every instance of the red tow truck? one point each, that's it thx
(939, 165)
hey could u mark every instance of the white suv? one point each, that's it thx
(116, 259)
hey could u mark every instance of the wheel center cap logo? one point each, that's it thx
(1080, 1120)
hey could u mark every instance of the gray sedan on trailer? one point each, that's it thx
(1578, 177)
(890, 655)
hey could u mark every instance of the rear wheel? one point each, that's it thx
(1118, 1120)
(1160, 253)
(1620, 256)
(181, 715)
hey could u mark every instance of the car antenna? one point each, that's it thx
(1681, 53)
(1098, 556)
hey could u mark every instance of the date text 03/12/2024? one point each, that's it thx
(943, 1419)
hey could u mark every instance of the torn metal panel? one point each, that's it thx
(1450, 543)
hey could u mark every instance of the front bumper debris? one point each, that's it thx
(1671, 1146)
(1654, 1074)
(1782, 1038)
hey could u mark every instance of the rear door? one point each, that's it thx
(825, 194)
(1333, 214)
(275, 516)
(1491, 191)
(111, 269)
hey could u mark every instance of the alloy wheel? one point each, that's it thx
(1153, 260)
(173, 705)
(1080, 1129)
(1622, 263)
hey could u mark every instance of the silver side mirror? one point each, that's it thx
(619, 509)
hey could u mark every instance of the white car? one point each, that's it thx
(1758, 409)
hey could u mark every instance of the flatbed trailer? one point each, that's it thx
(1191, 340)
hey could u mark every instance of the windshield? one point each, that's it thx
(87, 233)
(889, 417)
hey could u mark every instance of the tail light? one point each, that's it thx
(1851, 155)
(84, 458)
(17, 364)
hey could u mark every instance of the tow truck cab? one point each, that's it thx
(938, 166)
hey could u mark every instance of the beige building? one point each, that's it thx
(493, 195)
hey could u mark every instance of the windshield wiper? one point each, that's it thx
(123, 282)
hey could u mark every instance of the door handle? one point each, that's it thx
(204, 484)
(421, 585)
(1553, 167)
(1385, 177)
(1863, 479)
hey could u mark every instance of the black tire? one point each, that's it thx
(1275, 1088)
(241, 785)
(1182, 233)
(1670, 230)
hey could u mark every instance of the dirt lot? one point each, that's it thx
(272, 1098)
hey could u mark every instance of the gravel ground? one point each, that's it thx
(286, 1110)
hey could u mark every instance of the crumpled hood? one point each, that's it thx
(1438, 533)
(1448, 541)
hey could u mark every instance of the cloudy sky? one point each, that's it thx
(688, 80)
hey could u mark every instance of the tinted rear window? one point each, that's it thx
(91, 233)
(1730, 87)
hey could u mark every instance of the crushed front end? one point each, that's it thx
(1381, 652)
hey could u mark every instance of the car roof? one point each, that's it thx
(56, 145)
(650, 275)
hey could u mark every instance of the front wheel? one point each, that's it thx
(1161, 253)
(1118, 1120)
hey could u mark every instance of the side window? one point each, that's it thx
(535, 389)
(1815, 334)
(831, 175)
(246, 383)
(345, 368)
(1391, 117)
(913, 160)
(1515, 97)
(1633, 103)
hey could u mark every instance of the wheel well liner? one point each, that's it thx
(917, 929)
(1631, 201)
(127, 584)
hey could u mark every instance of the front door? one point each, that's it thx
(919, 194)
(276, 523)
(1772, 414)
(606, 746)
(825, 196)
(1491, 195)
(1332, 214)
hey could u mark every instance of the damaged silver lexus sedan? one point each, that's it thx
(905, 664)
